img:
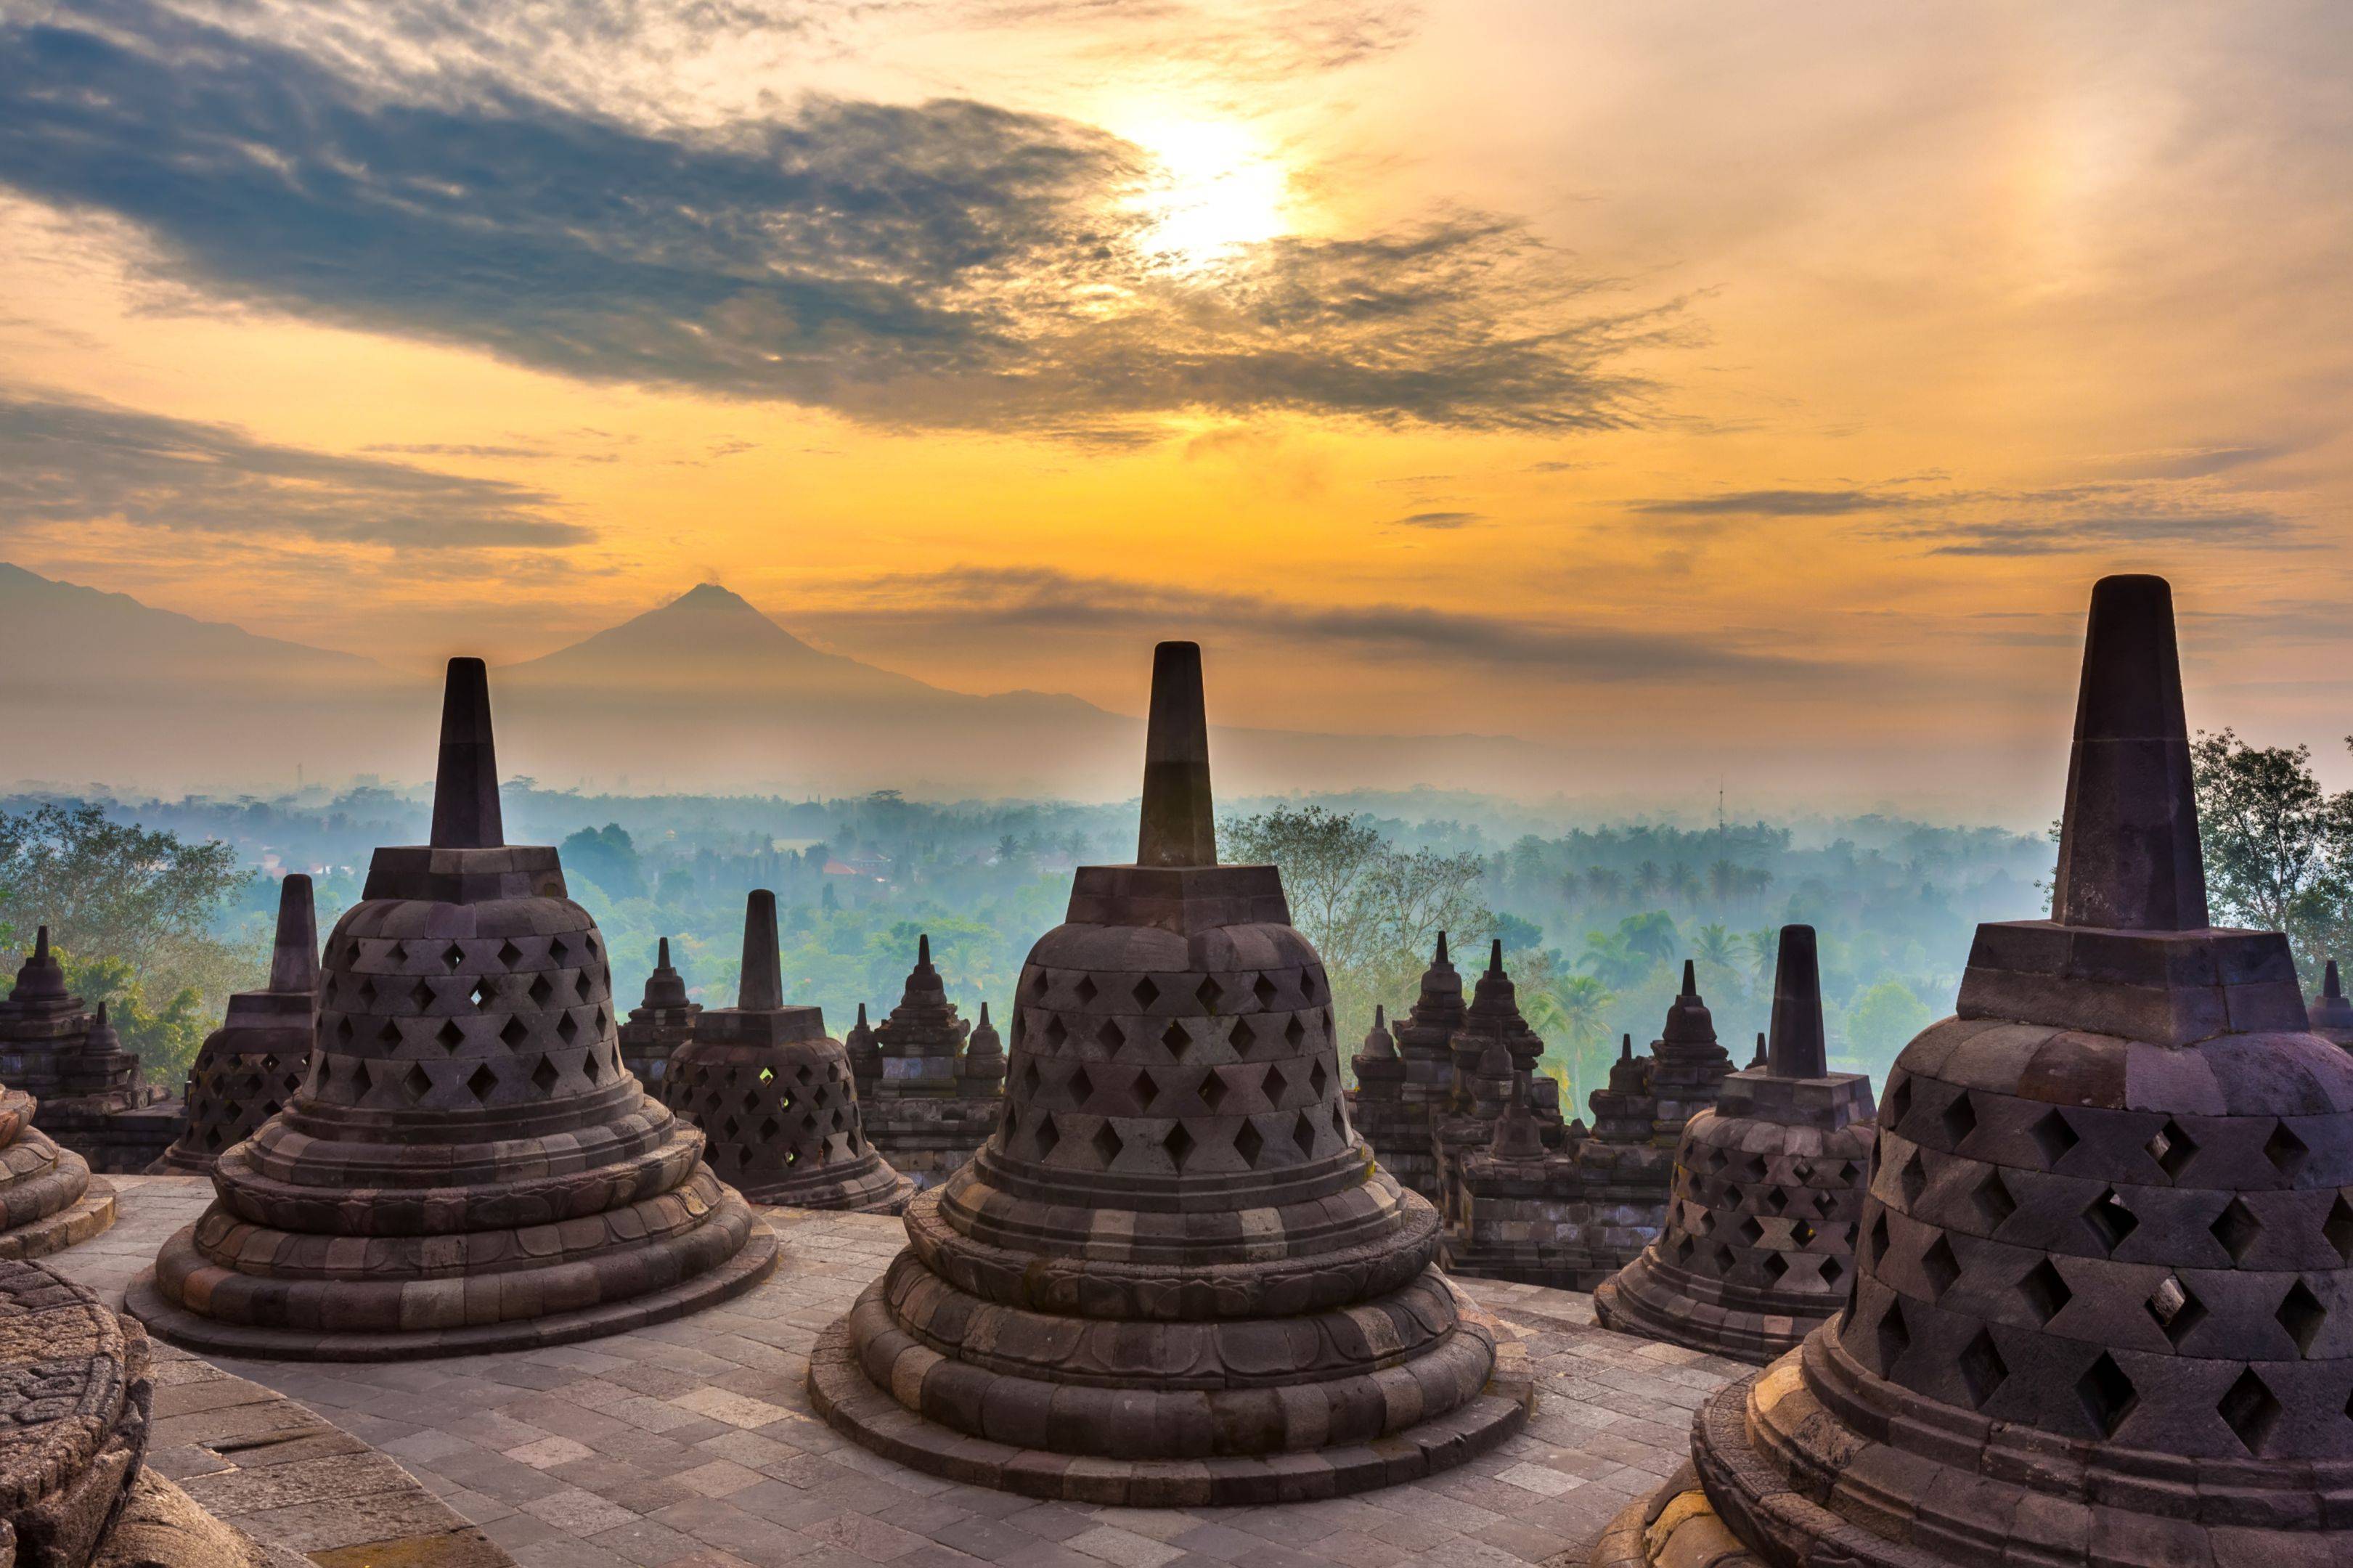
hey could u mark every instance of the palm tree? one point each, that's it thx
(1712, 943)
(1606, 883)
(1570, 1008)
(1763, 946)
(1723, 880)
(1683, 882)
(1612, 958)
(1647, 880)
(1652, 936)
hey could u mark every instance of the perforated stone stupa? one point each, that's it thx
(658, 1025)
(1176, 1275)
(467, 1166)
(2332, 1018)
(774, 1092)
(929, 1085)
(2103, 1311)
(1759, 1241)
(254, 1063)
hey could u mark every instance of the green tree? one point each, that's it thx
(1882, 1021)
(2278, 848)
(133, 911)
(1372, 909)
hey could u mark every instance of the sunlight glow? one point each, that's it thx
(1215, 188)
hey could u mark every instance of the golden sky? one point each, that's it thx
(1724, 390)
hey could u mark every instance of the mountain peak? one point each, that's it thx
(711, 597)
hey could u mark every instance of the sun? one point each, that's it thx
(1214, 189)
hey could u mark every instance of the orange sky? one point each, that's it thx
(1733, 389)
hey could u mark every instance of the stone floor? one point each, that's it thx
(693, 1444)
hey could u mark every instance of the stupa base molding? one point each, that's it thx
(751, 1264)
(88, 1215)
(874, 1418)
(1799, 1481)
(881, 1190)
(1645, 1299)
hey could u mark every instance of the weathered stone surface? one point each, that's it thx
(774, 1094)
(2103, 1301)
(1174, 1275)
(467, 1165)
(253, 1063)
(1759, 1241)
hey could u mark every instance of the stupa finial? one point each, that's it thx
(1625, 1047)
(1691, 978)
(1179, 825)
(1495, 957)
(41, 945)
(923, 951)
(661, 953)
(1441, 958)
(762, 984)
(2128, 850)
(2330, 986)
(1798, 1048)
(466, 783)
(294, 957)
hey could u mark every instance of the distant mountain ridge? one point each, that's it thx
(704, 693)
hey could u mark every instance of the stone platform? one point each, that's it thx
(693, 1444)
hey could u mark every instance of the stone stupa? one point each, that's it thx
(48, 1199)
(2332, 1018)
(254, 1063)
(658, 1025)
(467, 1167)
(774, 1092)
(1154, 1286)
(1759, 1242)
(2103, 1311)
(88, 1092)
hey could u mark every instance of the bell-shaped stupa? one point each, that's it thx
(467, 1166)
(253, 1063)
(658, 1025)
(2103, 1311)
(2332, 1019)
(1759, 1241)
(1492, 1019)
(1156, 1284)
(774, 1092)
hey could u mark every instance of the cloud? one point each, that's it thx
(1773, 503)
(69, 461)
(1045, 601)
(2250, 529)
(1259, 42)
(939, 265)
(1440, 520)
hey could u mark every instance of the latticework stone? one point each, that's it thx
(1759, 1241)
(467, 1166)
(2104, 1305)
(774, 1093)
(658, 1025)
(1175, 1275)
(254, 1063)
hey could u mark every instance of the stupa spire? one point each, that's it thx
(1798, 1048)
(661, 953)
(1691, 978)
(294, 958)
(1441, 958)
(1179, 825)
(466, 781)
(2128, 850)
(1495, 957)
(762, 983)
